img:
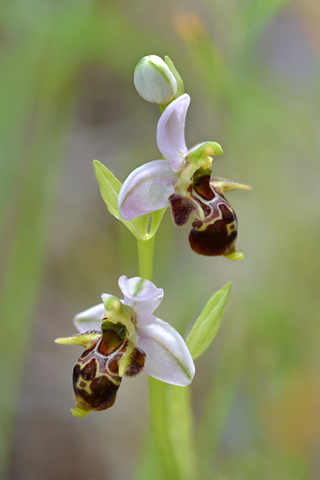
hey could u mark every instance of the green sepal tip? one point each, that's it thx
(177, 76)
(85, 339)
(222, 185)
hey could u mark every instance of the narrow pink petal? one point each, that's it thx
(147, 189)
(140, 294)
(167, 356)
(89, 319)
(170, 132)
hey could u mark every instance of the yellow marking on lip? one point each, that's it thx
(231, 227)
(87, 387)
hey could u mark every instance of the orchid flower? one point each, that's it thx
(122, 338)
(182, 180)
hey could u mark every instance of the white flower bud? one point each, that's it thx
(154, 80)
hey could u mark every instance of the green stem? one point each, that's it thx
(145, 251)
(157, 389)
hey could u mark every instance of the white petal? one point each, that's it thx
(170, 132)
(89, 319)
(140, 294)
(167, 356)
(147, 189)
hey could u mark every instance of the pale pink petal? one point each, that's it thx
(147, 189)
(170, 132)
(167, 356)
(144, 318)
(89, 319)
(140, 294)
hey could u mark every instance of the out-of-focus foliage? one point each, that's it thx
(67, 97)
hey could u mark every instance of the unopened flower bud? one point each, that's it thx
(154, 81)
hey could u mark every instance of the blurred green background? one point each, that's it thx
(67, 97)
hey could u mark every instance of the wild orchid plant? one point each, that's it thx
(123, 337)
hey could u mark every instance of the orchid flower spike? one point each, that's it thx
(123, 338)
(183, 181)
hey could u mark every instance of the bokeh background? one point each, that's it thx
(67, 97)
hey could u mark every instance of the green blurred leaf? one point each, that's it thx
(181, 430)
(109, 189)
(221, 394)
(149, 464)
(208, 323)
(28, 241)
(159, 410)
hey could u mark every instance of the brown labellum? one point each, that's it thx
(215, 239)
(217, 233)
(215, 226)
(96, 377)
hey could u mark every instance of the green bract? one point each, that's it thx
(144, 227)
(208, 323)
